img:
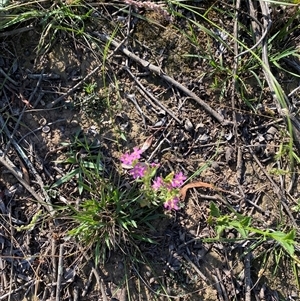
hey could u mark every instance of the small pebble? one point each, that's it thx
(43, 121)
(228, 136)
(215, 166)
(261, 138)
(229, 154)
(203, 138)
(46, 129)
(200, 127)
(188, 125)
(257, 147)
(74, 123)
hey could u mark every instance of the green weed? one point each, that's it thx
(296, 208)
(109, 214)
(285, 240)
(89, 88)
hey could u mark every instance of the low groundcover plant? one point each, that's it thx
(155, 190)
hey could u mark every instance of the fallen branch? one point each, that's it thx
(152, 97)
(157, 70)
(60, 272)
(247, 273)
(4, 160)
(19, 288)
(14, 171)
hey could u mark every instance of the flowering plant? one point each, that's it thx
(155, 190)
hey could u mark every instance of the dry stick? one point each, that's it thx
(272, 86)
(266, 68)
(128, 33)
(239, 166)
(148, 99)
(247, 264)
(3, 275)
(3, 297)
(195, 267)
(16, 31)
(157, 70)
(21, 115)
(57, 100)
(218, 287)
(87, 285)
(256, 26)
(13, 169)
(39, 128)
(38, 99)
(100, 283)
(152, 97)
(97, 276)
(255, 29)
(8, 78)
(221, 284)
(266, 125)
(138, 108)
(60, 271)
(281, 177)
(11, 252)
(76, 293)
(254, 205)
(54, 265)
(231, 277)
(38, 178)
(159, 144)
(277, 190)
(151, 289)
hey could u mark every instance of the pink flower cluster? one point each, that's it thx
(176, 182)
(128, 159)
(172, 204)
(166, 189)
(138, 170)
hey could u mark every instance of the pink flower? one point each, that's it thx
(157, 183)
(126, 159)
(136, 154)
(178, 180)
(138, 171)
(172, 204)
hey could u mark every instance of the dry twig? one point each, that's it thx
(218, 287)
(79, 84)
(195, 267)
(247, 264)
(157, 70)
(277, 190)
(8, 295)
(13, 169)
(27, 102)
(221, 284)
(18, 175)
(152, 97)
(7, 77)
(60, 271)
